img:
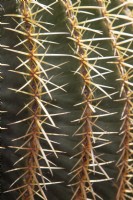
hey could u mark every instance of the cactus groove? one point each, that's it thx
(66, 75)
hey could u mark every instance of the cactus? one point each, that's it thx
(66, 100)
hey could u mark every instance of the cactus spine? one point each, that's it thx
(99, 34)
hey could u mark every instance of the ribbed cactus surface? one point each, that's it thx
(66, 100)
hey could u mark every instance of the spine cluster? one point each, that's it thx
(88, 160)
(37, 146)
(30, 31)
(121, 40)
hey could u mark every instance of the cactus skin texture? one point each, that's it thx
(66, 75)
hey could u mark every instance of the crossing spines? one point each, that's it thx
(88, 161)
(38, 87)
(118, 20)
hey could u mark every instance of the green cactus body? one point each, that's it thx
(122, 48)
(66, 100)
(88, 161)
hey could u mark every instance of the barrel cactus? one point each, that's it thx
(66, 100)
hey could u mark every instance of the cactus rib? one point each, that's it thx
(37, 81)
(82, 186)
(125, 73)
